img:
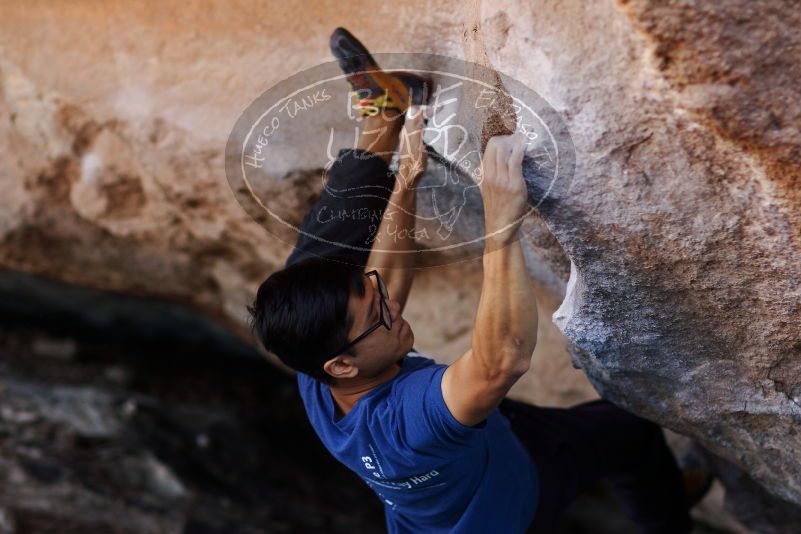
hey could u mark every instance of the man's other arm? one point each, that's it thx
(394, 249)
(505, 332)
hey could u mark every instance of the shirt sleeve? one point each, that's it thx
(424, 421)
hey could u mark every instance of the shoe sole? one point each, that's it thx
(354, 58)
(350, 53)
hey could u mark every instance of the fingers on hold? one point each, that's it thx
(516, 156)
(488, 163)
(425, 111)
(414, 121)
(499, 157)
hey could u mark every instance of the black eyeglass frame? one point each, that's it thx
(385, 318)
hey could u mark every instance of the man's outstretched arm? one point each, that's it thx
(505, 332)
(393, 252)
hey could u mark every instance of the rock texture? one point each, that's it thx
(154, 423)
(683, 223)
(674, 253)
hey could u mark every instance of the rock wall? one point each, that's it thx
(683, 221)
(674, 254)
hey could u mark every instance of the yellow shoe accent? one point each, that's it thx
(369, 107)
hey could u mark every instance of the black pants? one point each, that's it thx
(572, 447)
(345, 219)
(576, 447)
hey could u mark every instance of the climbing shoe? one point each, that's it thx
(372, 89)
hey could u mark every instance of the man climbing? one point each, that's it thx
(440, 445)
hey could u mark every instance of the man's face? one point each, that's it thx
(382, 347)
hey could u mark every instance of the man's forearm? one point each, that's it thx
(392, 250)
(506, 322)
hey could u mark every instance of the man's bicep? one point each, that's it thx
(425, 420)
(470, 393)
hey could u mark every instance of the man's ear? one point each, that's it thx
(340, 367)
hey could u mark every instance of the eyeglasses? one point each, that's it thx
(385, 318)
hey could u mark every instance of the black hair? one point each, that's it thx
(301, 312)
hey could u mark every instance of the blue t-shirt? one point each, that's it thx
(432, 473)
